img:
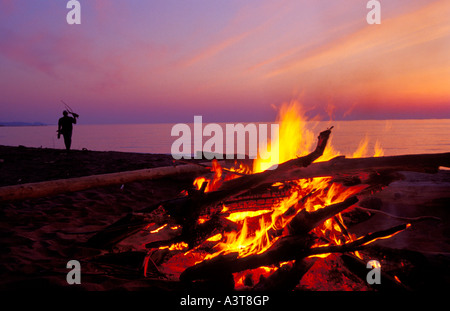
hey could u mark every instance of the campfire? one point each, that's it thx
(244, 226)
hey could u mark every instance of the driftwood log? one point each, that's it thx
(422, 163)
(293, 169)
(54, 187)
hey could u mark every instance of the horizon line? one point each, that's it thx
(38, 123)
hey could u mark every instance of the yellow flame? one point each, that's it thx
(362, 149)
(294, 138)
(379, 152)
(240, 216)
(176, 246)
(215, 238)
(198, 182)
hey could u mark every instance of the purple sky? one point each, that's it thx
(134, 61)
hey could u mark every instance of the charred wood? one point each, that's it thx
(287, 277)
(286, 249)
(118, 231)
(359, 243)
(358, 267)
(305, 221)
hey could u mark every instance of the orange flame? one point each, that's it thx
(256, 227)
(217, 179)
(297, 140)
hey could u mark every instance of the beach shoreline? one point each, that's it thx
(39, 236)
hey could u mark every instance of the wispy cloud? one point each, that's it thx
(398, 33)
(404, 57)
(243, 26)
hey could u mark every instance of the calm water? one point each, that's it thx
(395, 136)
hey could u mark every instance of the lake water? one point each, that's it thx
(395, 136)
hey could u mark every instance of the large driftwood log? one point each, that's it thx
(303, 167)
(54, 187)
(425, 163)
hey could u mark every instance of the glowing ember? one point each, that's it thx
(159, 229)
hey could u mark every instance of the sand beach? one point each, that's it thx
(39, 236)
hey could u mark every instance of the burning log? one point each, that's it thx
(286, 277)
(359, 243)
(243, 184)
(200, 234)
(286, 249)
(305, 221)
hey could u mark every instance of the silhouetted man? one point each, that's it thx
(65, 128)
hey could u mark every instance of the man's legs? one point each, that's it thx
(68, 140)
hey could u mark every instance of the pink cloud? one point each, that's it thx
(71, 57)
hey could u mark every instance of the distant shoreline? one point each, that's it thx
(18, 124)
(13, 124)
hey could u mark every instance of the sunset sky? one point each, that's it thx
(134, 61)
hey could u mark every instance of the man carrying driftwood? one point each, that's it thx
(65, 127)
